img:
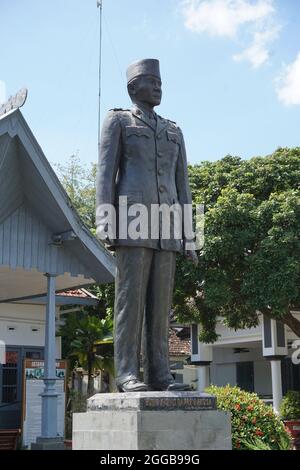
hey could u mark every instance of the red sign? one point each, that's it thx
(11, 357)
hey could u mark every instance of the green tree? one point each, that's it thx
(79, 182)
(80, 335)
(250, 262)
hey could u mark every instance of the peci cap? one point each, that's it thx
(143, 67)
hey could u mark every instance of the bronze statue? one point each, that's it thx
(142, 161)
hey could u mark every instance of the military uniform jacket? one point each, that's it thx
(145, 160)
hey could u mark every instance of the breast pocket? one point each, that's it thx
(173, 144)
(137, 138)
(173, 137)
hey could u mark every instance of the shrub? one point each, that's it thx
(252, 421)
(290, 406)
(258, 444)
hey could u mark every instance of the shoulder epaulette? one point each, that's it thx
(119, 109)
(164, 119)
(173, 123)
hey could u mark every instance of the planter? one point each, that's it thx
(293, 426)
(290, 411)
(68, 444)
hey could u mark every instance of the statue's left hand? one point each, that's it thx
(191, 255)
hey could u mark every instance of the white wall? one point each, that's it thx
(230, 336)
(226, 355)
(223, 368)
(223, 374)
(18, 323)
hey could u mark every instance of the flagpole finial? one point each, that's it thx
(99, 3)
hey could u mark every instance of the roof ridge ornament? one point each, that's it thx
(14, 102)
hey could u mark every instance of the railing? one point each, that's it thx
(9, 439)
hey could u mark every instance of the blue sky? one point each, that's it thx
(230, 70)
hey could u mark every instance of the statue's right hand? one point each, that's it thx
(103, 232)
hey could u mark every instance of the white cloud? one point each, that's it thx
(288, 84)
(2, 91)
(223, 17)
(259, 51)
(230, 18)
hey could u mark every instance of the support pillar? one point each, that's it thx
(203, 377)
(276, 384)
(49, 439)
(274, 350)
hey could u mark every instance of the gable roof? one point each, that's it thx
(35, 207)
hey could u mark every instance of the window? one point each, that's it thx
(33, 355)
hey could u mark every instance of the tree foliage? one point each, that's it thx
(80, 334)
(251, 257)
(80, 185)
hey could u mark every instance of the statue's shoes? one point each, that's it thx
(133, 385)
(171, 387)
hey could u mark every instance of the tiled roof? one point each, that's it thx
(179, 342)
(82, 293)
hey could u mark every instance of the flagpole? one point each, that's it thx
(100, 6)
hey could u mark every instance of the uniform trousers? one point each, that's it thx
(143, 299)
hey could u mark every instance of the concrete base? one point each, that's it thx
(152, 421)
(43, 443)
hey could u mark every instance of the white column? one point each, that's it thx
(276, 384)
(49, 396)
(203, 377)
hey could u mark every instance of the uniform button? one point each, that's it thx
(160, 154)
(160, 172)
(158, 137)
(161, 189)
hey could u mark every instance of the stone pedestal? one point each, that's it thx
(152, 421)
(46, 443)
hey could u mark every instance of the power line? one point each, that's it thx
(113, 48)
(100, 6)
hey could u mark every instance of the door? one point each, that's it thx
(10, 389)
(245, 376)
(11, 384)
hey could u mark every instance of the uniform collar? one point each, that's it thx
(157, 124)
(145, 115)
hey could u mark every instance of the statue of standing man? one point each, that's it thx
(142, 165)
